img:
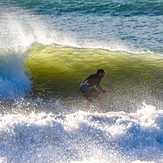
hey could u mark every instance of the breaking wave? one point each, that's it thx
(82, 136)
(14, 82)
(33, 130)
(17, 34)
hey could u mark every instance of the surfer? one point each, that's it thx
(90, 87)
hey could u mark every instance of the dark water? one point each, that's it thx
(96, 7)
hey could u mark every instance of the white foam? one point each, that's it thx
(113, 45)
(81, 137)
(19, 33)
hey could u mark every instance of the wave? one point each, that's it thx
(58, 71)
(82, 136)
(13, 80)
(17, 34)
(50, 130)
(114, 8)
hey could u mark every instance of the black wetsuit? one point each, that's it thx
(90, 83)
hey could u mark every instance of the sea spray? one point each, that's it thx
(14, 82)
(81, 137)
(19, 33)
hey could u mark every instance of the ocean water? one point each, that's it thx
(47, 41)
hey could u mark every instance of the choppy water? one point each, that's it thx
(80, 136)
(37, 131)
(117, 24)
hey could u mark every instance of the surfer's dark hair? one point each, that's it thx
(100, 71)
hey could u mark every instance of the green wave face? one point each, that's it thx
(58, 71)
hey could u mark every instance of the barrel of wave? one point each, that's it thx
(57, 70)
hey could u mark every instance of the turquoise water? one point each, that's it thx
(97, 7)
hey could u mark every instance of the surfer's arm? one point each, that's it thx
(99, 88)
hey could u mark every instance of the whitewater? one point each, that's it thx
(54, 130)
(82, 136)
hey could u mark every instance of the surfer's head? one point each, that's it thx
(100, 72)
